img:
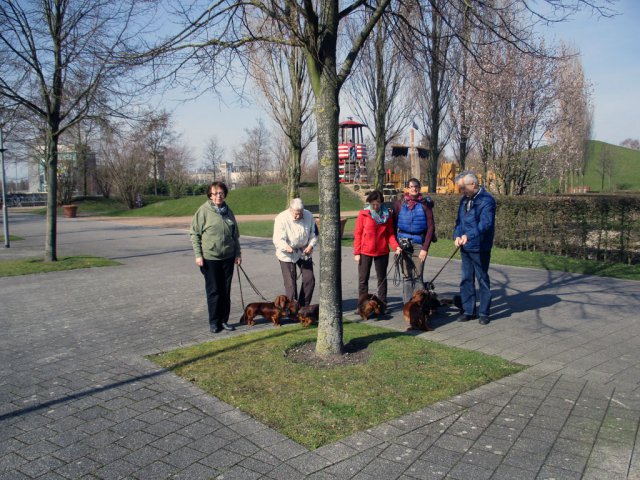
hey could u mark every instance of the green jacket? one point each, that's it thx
(214, 236)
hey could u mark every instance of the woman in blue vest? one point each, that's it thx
(413, 219)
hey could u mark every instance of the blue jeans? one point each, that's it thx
(475, 265)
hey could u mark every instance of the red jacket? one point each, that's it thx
(372, 239)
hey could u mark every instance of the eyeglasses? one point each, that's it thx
(217, 194)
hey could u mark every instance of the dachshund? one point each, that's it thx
(289, 306)
(381, 305)
(267, 309)
(369, 304)
(415, 311)
(308, 314)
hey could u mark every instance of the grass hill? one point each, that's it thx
(625, 172)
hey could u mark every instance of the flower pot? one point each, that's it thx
(70, 211)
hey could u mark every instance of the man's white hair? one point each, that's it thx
(296, 204)
(471, 177)
(461, 175)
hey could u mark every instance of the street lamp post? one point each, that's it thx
(5, 214)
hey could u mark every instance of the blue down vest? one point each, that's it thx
(412, 223)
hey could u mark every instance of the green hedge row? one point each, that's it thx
(601, 227)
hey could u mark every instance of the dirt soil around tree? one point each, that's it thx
(354, 354)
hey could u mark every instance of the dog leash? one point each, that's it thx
(240, 285)
(250, 283)
(403, 257)
(299, 269)
(442, 268)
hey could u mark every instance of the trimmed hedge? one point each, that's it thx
(599, 227)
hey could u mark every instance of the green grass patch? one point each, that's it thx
(92, 207)
(546, 261)
(261, 228)
(10, 268)
(315, 406)
(624, 172)
(265, 199)
(543, 261)
(12, 238)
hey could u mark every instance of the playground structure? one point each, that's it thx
(352, 152)
(446, 181)
(405, 164)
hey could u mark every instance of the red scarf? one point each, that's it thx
(412, 202)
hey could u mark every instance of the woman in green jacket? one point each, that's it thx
(216, 244)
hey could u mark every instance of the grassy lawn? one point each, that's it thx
(624, 172)
(10, 268)
(12, 238)
(315, 406)
(243, 201)
(545, 261)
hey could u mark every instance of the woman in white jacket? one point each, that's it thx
(294, 236)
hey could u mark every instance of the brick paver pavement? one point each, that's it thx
(78, 399)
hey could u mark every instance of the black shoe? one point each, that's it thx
(215, 329)
(464, 318)
(483, 320)
(226, 326)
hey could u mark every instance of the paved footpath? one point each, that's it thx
(79, 400)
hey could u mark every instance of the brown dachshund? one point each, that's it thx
(414, 311)
(381, 305)
(308, 314)
(368, 305)
(290, 307)
(267, 309)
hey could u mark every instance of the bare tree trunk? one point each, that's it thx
(295, 133)
(155, 175)
(329, 340)
(50, 246)
(464, 125)
(435, 112)
(53, 135)
(330, 323)
(378, 169)
(381, 112)
(294, 173)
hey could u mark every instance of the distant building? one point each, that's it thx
(233, 176)
(82, 166)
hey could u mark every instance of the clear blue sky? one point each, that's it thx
(610, 56)
(609, 49)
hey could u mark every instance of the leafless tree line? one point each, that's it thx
(481, 84)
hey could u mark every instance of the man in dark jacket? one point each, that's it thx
(473, 233)
(413, 219)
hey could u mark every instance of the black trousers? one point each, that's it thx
(289, 275)
(364, 271)
(217, 282)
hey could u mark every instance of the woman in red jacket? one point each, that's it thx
(371, 239)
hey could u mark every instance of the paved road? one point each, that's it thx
(78, 400)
